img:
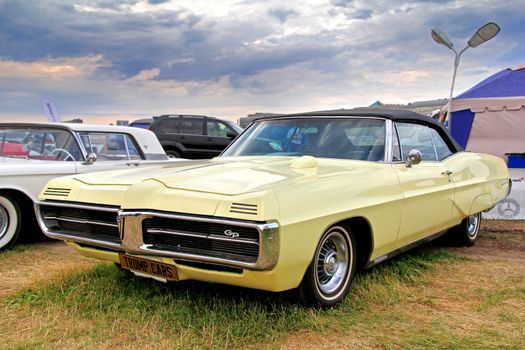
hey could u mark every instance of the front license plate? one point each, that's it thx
(149, 267)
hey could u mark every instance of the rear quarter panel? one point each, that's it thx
(481, 181)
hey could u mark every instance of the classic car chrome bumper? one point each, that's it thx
(236, 243)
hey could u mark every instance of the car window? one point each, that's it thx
(111, 146)
(442, 149)
(345, 138)
(217, 129)
(168, 125)
(416, 136)
(191, 126)
(42, 144)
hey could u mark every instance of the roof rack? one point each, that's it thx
(182, 116)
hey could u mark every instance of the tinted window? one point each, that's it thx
(110, 146)
(415, 136)
(347, 138)
(217, 129)
(168, 125)
(442, 149)
(191, 126)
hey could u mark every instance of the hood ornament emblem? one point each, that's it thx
(231, 233)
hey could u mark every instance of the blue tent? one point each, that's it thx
(490, 117)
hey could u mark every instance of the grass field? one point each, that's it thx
(434, 297)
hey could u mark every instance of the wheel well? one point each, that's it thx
(29, 230)
(21, 198)
(363, 236)
(172, 148)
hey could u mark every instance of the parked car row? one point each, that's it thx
(296, 201)
(191, 136)
(33, 153)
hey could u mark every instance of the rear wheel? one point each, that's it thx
(329, 276)
(466, 233)
(172, 153)
(9, 222)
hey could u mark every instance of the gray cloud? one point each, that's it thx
(383, 50)
(281, 14)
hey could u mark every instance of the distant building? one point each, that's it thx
(421, 107)
(245, 121)
(76, 120)
(377, 104)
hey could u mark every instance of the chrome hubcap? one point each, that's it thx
(4, 221)
(332, 263)
(473, 225)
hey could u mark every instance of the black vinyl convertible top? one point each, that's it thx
(397, 115)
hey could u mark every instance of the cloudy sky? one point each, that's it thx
(104, 60)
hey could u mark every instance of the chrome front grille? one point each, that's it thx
(202, 238)
(197, 239)
(208, 240)
(81, 222)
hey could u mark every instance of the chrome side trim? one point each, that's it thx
(133, 243)
(405, 248)
(71, 238)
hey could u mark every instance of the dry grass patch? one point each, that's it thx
(29, 265)
(452, 298)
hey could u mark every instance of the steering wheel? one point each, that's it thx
(68, 155)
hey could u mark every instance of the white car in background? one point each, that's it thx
(33, 153)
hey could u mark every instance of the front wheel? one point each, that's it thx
(9, 222)
(329, 276)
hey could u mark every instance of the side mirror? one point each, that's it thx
(414, 157)
(90, 159)
(231, 135)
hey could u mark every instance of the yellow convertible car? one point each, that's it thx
(296, 201)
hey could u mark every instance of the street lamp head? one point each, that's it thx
(440, 38)
(485, 33)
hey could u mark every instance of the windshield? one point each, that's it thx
(345, 138)
(43, 144)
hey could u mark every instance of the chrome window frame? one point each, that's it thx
(78, 134)
(386, 155)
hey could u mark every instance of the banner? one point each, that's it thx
(50, 110)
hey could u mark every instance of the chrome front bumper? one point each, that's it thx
(130, 227)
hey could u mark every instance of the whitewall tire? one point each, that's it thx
(329, 276)
(9, 222)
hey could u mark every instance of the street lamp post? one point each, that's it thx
(483, 34)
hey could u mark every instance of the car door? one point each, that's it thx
(192, 136)
(427, 187)
(217, 133)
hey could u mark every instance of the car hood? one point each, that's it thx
(226, 175)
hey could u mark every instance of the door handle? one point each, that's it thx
(447, 172)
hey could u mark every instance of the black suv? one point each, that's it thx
(193, 136)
